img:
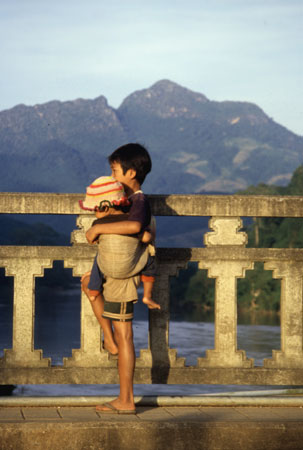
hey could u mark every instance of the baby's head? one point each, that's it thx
(103, 195)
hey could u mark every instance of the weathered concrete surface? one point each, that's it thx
(271, 398)
(164, 255)
(188, 375)
(178, 428)
(162, 205)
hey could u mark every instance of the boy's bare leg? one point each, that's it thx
(147, 295)
(126, 366)
(97, 304)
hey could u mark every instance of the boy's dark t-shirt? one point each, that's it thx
(140, 210)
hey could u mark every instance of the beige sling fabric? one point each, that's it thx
(121, 256)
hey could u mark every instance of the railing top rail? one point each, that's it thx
(162, 205)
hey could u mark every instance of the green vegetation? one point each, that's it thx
(277, 232)
(258, 291)
(192, 291)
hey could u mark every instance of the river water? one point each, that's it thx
(57, 331)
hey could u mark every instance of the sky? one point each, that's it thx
(240, 50)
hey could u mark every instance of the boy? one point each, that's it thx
(130, 164)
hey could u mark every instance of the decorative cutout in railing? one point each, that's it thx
(224, 256)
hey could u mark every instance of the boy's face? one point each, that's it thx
(124, 178)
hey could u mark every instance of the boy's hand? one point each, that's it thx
(149, 234)
(91, 235)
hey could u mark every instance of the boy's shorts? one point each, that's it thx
(120, 312)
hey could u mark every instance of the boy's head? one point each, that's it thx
(104, 193)
(132, 156)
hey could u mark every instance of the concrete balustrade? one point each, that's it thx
(225, 257)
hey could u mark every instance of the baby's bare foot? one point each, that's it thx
(150, 303)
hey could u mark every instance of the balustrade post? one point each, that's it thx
(24, 272)
(159, 353)
(84, 222)
(291, 308)
(225, 354)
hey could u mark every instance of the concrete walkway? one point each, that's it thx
(152, 428)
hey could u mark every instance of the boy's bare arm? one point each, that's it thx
(149, 234)
(123, 227)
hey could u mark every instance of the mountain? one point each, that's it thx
(56, 147)
(197, 145)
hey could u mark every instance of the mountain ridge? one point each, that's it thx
(196, 144)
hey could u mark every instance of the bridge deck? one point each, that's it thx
(152, 428)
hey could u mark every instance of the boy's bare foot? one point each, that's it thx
(111, 348)
(116, 407)
(150, 303)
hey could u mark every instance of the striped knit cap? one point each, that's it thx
(104, 188)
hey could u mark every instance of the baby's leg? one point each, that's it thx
(95, 281)
(148, 283)
(148, 279)
(97, 303)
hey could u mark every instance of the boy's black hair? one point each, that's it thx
(132, 156)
